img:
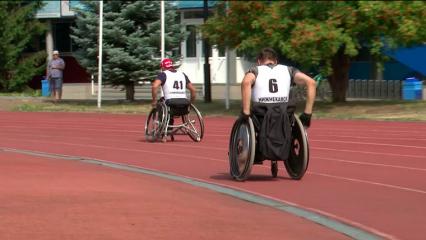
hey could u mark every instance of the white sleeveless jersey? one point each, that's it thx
(272, 84)
(175, 85)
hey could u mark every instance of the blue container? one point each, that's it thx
(412, 89)
(45, 88)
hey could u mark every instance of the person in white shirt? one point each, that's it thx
(174, 84)
(269, 82)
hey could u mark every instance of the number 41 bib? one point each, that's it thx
(175, 85)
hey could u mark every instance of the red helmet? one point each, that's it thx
(166, 63)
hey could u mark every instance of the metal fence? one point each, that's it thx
(374, 89)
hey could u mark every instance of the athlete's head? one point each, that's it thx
(166, 64)
(266, 56)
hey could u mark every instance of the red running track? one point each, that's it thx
(368, 174)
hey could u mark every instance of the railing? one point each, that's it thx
(323, 90)
(142, 91)
(374, 89)
(357, 88)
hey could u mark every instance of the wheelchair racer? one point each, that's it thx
(269, 82)
(174, 84)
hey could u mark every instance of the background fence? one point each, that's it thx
(374, 89)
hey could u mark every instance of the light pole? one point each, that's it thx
(207, 84)
(162, 31)
(101, 14)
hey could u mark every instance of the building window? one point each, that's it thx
(191, 41)
(221, 51)
(193, 14)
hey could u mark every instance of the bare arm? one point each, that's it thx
(154, 89)
(303, 79)
(246, 84)
(192, 91)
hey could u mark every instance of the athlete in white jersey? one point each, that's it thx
(173, 83)
(269, 82)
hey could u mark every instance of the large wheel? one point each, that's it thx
(242, 149)
(195, 124)
(155, 124)
(298, 160)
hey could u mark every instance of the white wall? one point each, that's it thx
(194, 66)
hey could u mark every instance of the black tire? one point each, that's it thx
(298, 160)
(196, 124)
(242, 149)
(154, 124)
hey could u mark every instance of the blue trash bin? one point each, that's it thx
(412, 89)
(45, 88)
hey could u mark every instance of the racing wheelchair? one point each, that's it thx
(244, 148)
(174, 118)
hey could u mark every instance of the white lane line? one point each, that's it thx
(368, 152)
(380, 131)
(316, 136)
(222, 160)
(68, 128)
(225, 149)
(371, 183)
(72, 129)
(112, 140)
(369, 143)
(121, 149)
(371, 164)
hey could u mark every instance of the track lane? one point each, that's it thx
(216, 163)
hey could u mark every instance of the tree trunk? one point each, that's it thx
(130, 91)
(340, 78)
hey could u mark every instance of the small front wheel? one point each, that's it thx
(154, 124)
(274, 169)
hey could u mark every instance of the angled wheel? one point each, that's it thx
(242, 149)
(298, 160)
(154, 125)
(195, 124)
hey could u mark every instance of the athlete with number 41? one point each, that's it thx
(269, 82)
(174, 84)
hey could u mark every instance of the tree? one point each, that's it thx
(17, 29)
(131, 36)
(320, 34)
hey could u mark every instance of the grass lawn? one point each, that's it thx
(373, 110)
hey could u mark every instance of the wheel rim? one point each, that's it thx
(296, 154)
(151, 125)
(154, 124)
(195, 124)
(297, 163)
(241, 149)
